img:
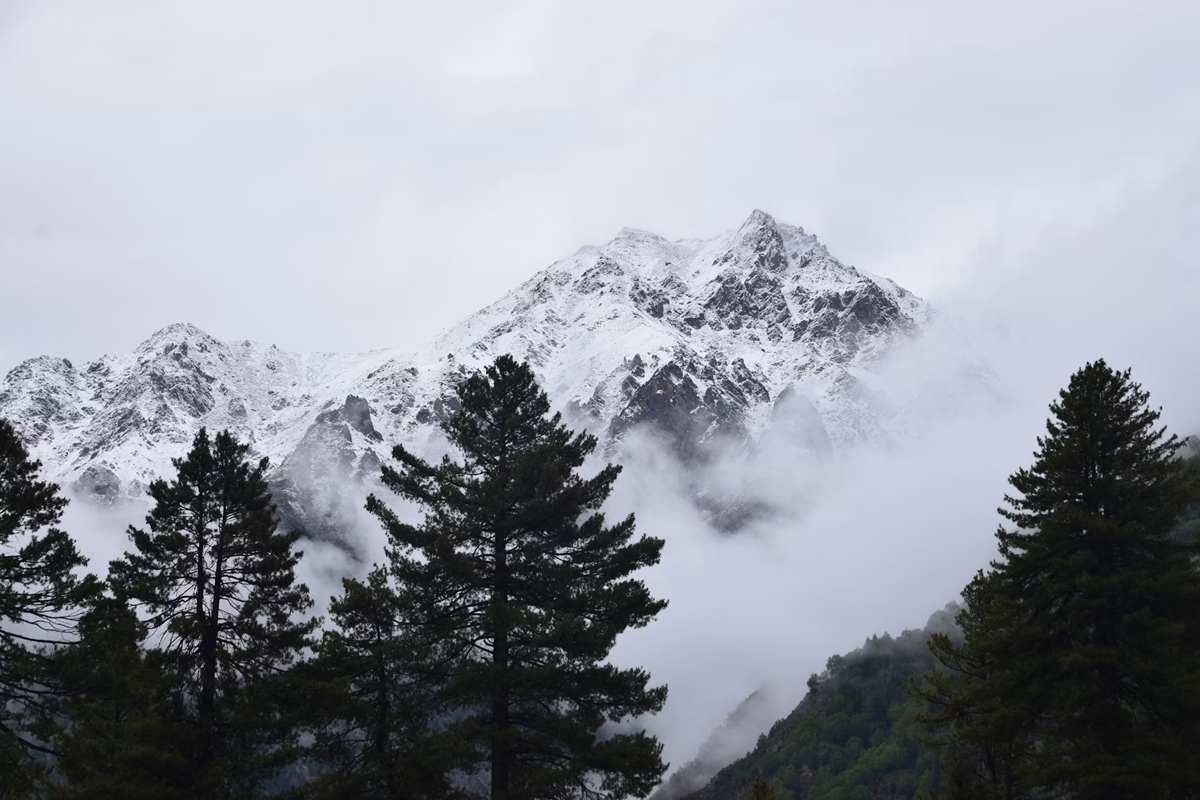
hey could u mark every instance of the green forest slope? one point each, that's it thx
(853, 737)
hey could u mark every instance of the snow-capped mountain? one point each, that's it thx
(756, 332)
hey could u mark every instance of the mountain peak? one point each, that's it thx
(756, 244)
(757, 221)
(636, 237)
(638, 247)
(179, 337)
(178, 331)
(31, 367)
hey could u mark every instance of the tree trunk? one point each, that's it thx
(501, 750)
(383, 706)
(208, 656)
(200, 531)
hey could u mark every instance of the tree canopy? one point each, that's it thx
(216, 579)
(39, 594)
(519, 589)
(1077, 674)
(375, 701)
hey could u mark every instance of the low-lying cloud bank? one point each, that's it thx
(876, 539)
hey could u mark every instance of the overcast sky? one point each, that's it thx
(357, 175)
(347, 176)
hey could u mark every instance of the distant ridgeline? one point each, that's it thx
(758, 336)
(853, 736)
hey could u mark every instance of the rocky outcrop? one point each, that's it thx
(42, 396)
(671, 404)
(355, 413)
(754, 300)
(796, 425)
(99, 484)
(318, 485)
(691, 405)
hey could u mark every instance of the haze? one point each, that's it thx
(357, 177)
(332, 178)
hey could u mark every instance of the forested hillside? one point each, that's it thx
(854, 735)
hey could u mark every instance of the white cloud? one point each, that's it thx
(328, 178)
(342, 179)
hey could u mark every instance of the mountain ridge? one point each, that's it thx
(702, 341)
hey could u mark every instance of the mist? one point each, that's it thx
(876, 539)
(159, 155)
(873, 539)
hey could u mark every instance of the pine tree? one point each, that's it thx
(375, 702)
(520, 590)
(217, 581)
(1078, 673)
(112, 729)
(39, 595)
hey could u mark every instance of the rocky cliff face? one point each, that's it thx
(755, 335)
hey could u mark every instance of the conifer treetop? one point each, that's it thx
(520, 589)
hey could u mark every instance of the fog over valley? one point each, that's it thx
(876, 536)
(812, 275)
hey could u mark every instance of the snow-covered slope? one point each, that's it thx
(755, 331)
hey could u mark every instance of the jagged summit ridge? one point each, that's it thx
(697, 339)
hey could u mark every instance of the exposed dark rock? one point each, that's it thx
(740, 301)
(310, 486)
(369, 464)
(237, 409)
(796, 423)
(317, 484)
(626, 377)
(730, 513)
(114, 425)
(186, 384)
(752, 389)
(599, 277)
(759, 237)
(841, 322)
(444, 407)
(46, 386)
(637, 367)
(98, 484)
(670, 403)
(655, 301)
(355, 413)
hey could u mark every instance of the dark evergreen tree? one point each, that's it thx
(520, 590)
(216, 579)
(375, 701)
(1078, 673)
(113, 730)
(39, 594)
